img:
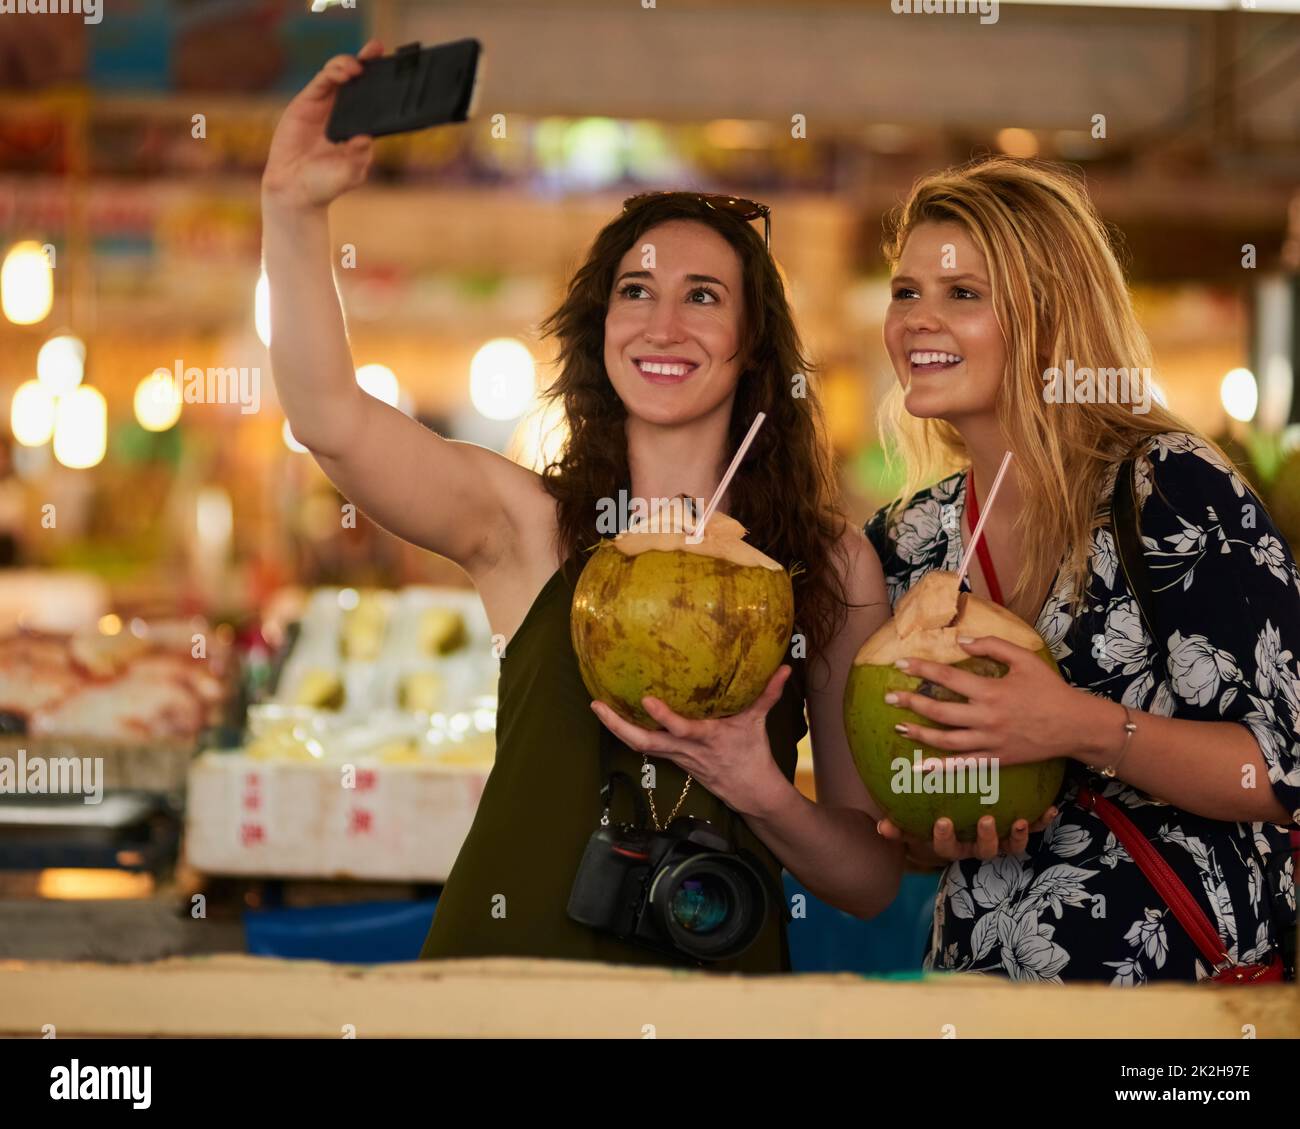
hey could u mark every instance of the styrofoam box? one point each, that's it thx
(372, 685)
(295, 819)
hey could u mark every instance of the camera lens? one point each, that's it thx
(701, 904)
(711, 905)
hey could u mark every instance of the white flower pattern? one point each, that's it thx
(1074, 906)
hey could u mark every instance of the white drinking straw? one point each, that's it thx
(985, 510)
(696, 537)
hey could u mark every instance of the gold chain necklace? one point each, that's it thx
(645, 760)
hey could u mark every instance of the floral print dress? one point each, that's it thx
(1074, 906)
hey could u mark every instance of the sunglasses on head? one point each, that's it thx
(737, 205)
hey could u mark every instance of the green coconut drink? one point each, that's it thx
(926, 624)
(702, 627)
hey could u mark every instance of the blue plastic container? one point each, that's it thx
(826, 940)
(830, 940)
(359, 933)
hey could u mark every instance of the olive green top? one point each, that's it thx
(541, 805)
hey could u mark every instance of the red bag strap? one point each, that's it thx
(982, 548)
(1161, 875)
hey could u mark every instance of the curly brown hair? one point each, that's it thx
(785, 492)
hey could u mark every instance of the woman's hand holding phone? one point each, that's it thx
(304, 169)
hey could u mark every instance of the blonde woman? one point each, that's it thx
(1008, 325)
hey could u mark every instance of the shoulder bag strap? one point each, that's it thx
(1161, 875)
(1126, 529)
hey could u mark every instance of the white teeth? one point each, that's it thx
(933, 358)
(663, 369)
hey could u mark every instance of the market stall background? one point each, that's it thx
(138, 518)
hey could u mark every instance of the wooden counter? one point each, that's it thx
(241, 995)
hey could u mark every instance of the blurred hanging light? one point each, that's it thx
(213, 521)
(262, 309)
(380, 382)
(81, 428)
(540, 437)
(61, 364)
(1017, 143)
(31, 415)
(157, 401)
(1240, 394)
(502, 379)
(26, 284)
(594, 152)
(737, 133)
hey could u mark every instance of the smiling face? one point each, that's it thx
(940, 330)
(672, 331)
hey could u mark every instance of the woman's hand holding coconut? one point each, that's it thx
(1030, 714)
(729, 756)
(964, 663)
(945, 847)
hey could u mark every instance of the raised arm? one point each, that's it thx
(456, 499)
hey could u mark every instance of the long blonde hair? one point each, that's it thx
(1059, 294)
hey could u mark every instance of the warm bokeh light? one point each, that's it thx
(1240, 394)
(81, 428)
(380, 382)
(735, 133)
(540, 436)
(31, 415)
(93, 885)
(157, 401)
(1017, 142)
(590, 151)
(110, 624)
(502, 379)
(61, 364)
(214, 520)
(26, 284)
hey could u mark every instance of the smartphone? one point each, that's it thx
(413, 88)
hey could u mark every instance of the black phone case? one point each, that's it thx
(413, 88)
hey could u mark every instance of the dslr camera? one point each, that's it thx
(683, 891)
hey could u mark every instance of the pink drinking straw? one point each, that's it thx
(985, 510)
(696, 537)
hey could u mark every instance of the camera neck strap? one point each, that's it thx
(608, 778)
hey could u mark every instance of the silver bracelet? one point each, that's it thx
(1130, 727)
